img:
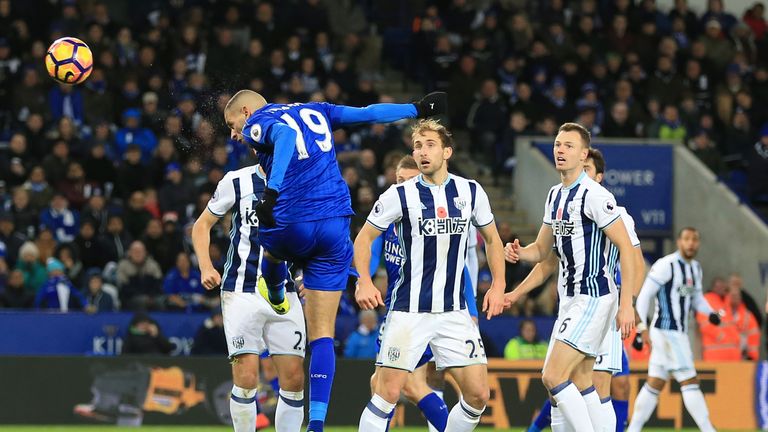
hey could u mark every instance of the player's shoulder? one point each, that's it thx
(245, 172)
(595, 188)
(667, 259)
(553, 191)
(464, 181)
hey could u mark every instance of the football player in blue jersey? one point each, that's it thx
(306, 208)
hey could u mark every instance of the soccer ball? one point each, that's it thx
(69, 60)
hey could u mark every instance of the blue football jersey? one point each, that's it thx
(312, 186)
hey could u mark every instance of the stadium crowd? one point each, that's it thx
(99, 183)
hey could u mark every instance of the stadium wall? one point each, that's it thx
(195, 391)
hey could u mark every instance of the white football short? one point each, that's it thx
(670, 355)
(453, 337)
(583, 321)
(609, 356)
(252, 326)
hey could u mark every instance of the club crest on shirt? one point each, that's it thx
(393, 354)
(459, 203)
(238, 342)
(572, 206)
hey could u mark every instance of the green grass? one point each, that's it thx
(221, 429)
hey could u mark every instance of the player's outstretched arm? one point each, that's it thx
(201, 242)
(366, 295)
(538, 275)
(617, 233)
(534, 252)
(493, 303)
(430, 105)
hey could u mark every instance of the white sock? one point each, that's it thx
(572, 405)
(608, 415)
(463, 418)
(242, 408)
(557, 421)
(594, 408)
(375, 415)
(290, 411)
(645, 404)
(694, 402)
(429, 425)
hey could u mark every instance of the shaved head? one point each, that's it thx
(245, 98)
(239, 108)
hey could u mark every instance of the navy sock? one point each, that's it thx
(322, 367)
(621, 408)
(275, 383)
(434, 410)
(274, 275)
(543, 419)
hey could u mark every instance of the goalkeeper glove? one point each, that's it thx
(714, 318)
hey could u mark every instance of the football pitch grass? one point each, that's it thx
(228, 429)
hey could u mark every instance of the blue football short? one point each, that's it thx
(321, 248)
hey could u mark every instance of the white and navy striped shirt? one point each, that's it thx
(240, 191)
(613, 253)
(432, 223)
(578, 214)
(677, 286)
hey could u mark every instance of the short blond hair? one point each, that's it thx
(426, 125)
(242, 96)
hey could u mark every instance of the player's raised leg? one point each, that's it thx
(556, 376)
(274, 272)
(242, 402)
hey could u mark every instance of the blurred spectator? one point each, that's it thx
(132, 174)
(486, 119)
(176, 194)
(91, 249)
(68, 255)
(99, 170)
(139, 279)
(31, 267)
(133, 133)
(10, 238)
(60, 219)
(361, 344)
(66, 100)
(210, 338)
(163, 249)
(58, 292)
(97, 300)
(16, 296)
(706, 151)
(75, 188)
(182, 286)
(144, 337)
(757, 168)
(40, 191)
(25, 217)
(55, 164)
(16, 161)
(136, 215)
(738, 335)
(526, 346)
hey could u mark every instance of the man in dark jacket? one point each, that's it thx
(210, 338)
(144, 337)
